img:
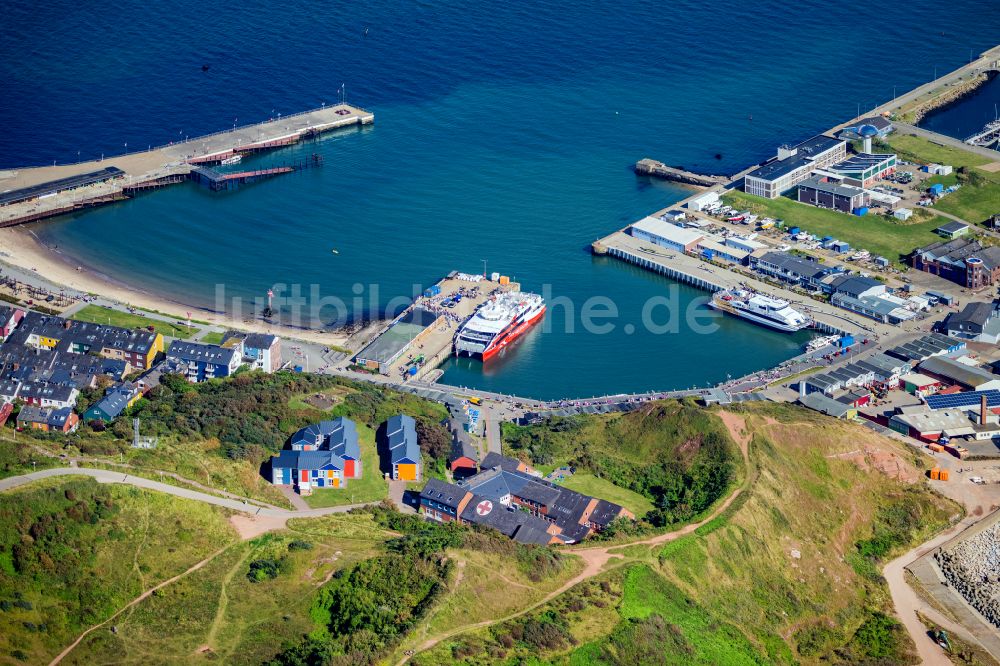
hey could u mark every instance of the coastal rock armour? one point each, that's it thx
(953, 94)
(972, 567)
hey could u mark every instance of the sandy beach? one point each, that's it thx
(28, 260)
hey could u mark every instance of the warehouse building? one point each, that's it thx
(925, 347)
(954, 372)
(658, 232)
(789, 268)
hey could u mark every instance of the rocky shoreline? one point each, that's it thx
(953, 94)
(972, 567)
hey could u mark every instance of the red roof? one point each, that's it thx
(951, 390)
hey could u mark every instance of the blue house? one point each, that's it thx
(200, 362)
(321, 455)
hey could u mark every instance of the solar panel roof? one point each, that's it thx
(963, 400)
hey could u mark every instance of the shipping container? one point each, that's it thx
(935, 474)
(936, 448)
(943, 476)
(793, 230)
(936, 189)
(504, 279)
(846, 341)
(861, 211)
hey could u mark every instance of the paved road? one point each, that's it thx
(108, 476)
(987, 153)
(907, 603)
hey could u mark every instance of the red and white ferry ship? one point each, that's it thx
(498, 322)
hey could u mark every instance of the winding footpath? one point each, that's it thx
(108, 476)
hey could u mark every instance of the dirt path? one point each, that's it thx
(142, 597)
(220, 611)
(596, 559)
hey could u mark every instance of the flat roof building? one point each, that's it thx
(382, 352)
(658, 232)
(824, 193)
(793, 165)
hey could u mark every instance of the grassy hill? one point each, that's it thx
(675, 455)
(789, 573)
(74, 552)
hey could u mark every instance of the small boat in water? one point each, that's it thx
(232, 159)
(335, 251)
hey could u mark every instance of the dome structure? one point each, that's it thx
(868, 131)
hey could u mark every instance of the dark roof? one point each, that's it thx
(604, 513)
(401, 433)
(853, 285)
(976, 314)
(952, 227)
(85, 334)
(528, 534)
(538, 493)
(444, 493)
(53, 186)
(339, 435)
(820, 185)
(41, 390)
(494, 459)
(194, 352)
(806, 152)
(54, 418)
(794, 265)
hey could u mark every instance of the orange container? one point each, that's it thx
(935, 474)
(937, 448)
(504, 279)
(943, 476)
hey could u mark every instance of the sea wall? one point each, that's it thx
(949, 96)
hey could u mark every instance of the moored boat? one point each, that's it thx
(760, 309)
(497, 323)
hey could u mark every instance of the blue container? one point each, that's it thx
(936, 189)
(846, 341)
(862, 211)
(708, 254)
(793, 230)
(298, 368)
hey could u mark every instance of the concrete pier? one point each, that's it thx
(648, 167)
(162, 165)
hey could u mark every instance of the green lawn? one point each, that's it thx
(979, 196)
(917, 149)
(371, 487)
(96, 314)
(212, 338)
(874, 233)
(588, 484)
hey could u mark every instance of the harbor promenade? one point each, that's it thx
(160, 164)
(691, 270)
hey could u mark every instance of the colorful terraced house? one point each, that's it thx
(403, 448)
(137, 347)
(321, 455)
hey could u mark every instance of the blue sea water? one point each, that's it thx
(504, 131)
(968, 115)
